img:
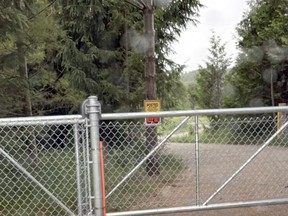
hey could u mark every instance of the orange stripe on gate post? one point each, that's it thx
(103, 178)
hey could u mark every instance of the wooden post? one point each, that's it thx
(153, 166)
(281, 117)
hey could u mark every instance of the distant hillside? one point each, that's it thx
(189, 77)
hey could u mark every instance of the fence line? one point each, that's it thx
(61, 155)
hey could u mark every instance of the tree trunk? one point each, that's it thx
(27, 105)
(272, 89)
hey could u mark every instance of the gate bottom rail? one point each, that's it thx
(201, 208)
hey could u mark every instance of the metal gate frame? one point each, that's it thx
(74, 120)
(94, 112)
(91, 116)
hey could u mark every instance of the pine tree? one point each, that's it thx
(104, 52)
(14, 22)
(210, 80)
(32, 80)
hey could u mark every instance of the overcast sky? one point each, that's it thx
(222, 16)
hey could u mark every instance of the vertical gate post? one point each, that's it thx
(197, 160)
(94, 111)
(78, 175)
(281, 117)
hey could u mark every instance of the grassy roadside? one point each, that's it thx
(56, 170)
(139, 187)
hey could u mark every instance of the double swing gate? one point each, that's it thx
(193, 161)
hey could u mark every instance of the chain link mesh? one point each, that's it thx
(189, 165)
(225, 144)
(49, 152)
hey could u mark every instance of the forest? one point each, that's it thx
(55, 53)
(259, 75)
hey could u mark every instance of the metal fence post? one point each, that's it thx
(197, 160)
(78, 175)
(94, 111)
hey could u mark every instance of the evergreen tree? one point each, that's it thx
(104, 53)
(98, 52)
(32, 82)
(14, 22)
(208, 89)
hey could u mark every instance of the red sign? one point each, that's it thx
(153, 120)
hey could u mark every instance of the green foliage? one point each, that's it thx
(169, 23)
(260, 74)
(105, 56)
(53, 54)
(27, 62)
(13, 19)
(207, 91)
(189, 77)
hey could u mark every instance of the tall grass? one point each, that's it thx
(20, 196)
(56, 170)
(139, 187)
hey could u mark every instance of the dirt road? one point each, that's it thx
(266, 177)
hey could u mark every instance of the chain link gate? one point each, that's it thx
(211, 159)
(207, 159)
(44, 166)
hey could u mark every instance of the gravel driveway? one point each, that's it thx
(266, 177)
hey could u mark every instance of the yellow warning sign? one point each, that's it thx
(152, 106)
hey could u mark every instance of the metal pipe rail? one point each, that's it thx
(201, 208)
(208, 112)
(132, 115)
(25, 121)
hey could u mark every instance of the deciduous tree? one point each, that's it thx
(261, 72)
